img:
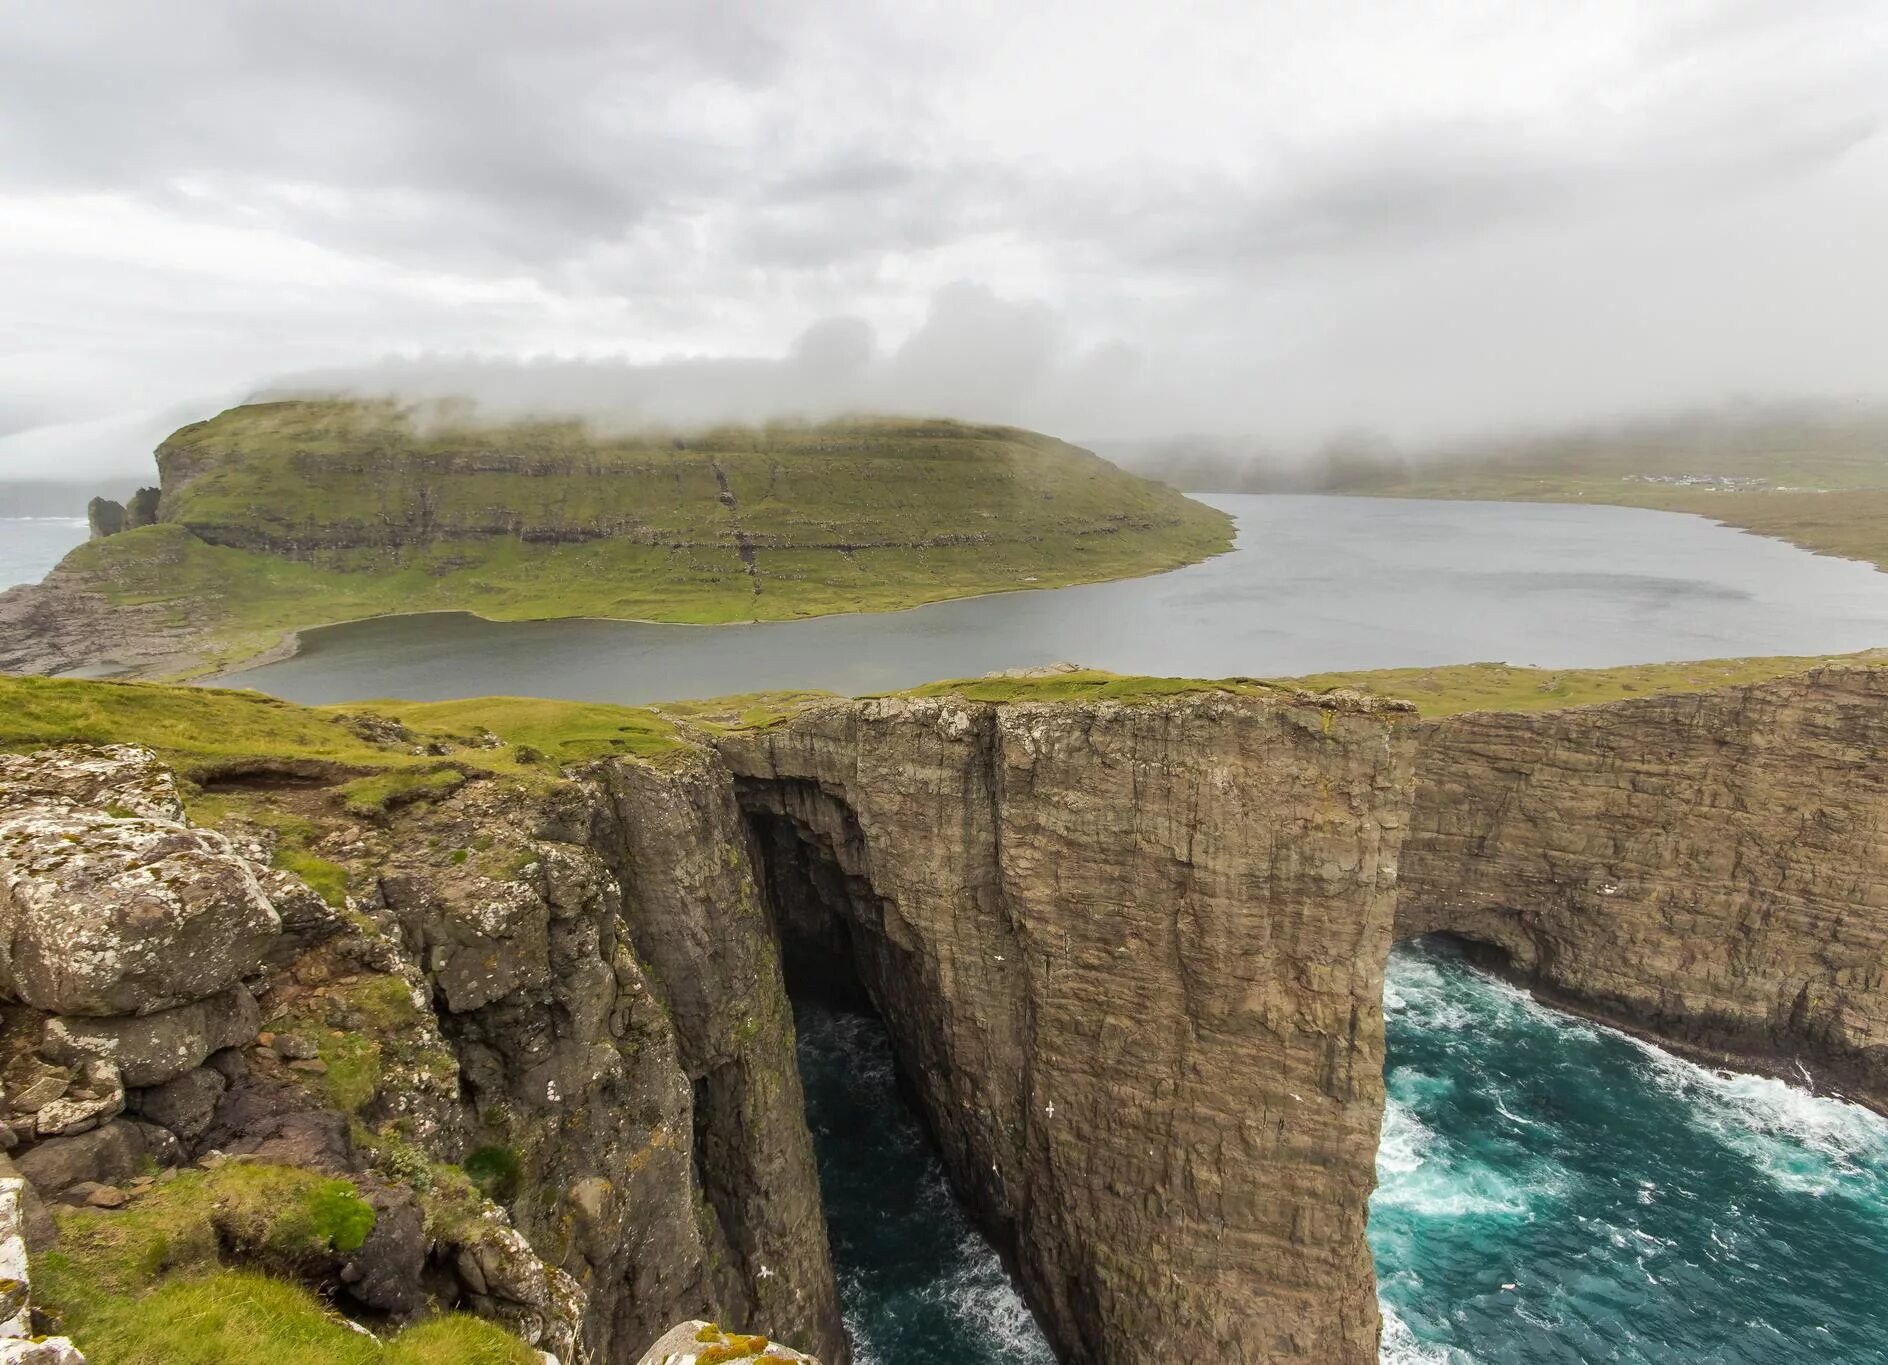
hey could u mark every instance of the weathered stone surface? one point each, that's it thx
(16, 1318)
(154, 1048)
(697, 915)
(103, 913)
(1132, 958)
(47, 1351)
(185, 1104)
(35, 1221)
(685, 1343)
(96, 1094)
(108, 1153)
(122, 777)
(1711, 868)
(577, 1067)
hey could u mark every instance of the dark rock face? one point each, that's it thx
(1711, 869)
(616, 1008)
(1132, 958)
(104, 517)
(142, 509)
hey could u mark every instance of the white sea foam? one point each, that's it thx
(1400, 1347)
(1400, 1148)
(981, 1296)
(1812, 1144)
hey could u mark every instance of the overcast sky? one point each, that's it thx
(1270, 219)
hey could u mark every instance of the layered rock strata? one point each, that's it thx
(1131, 958)
(1711, 868)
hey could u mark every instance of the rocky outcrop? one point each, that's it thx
(19, 1345)
(607, 984)
(109, 903)
(703, 1343)
(1131, 958)
(1711, 869)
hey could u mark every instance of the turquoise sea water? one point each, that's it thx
(1551, 1193)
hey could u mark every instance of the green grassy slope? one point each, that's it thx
(1823, 478)
(282, 515)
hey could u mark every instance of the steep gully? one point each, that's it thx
(1130, 958)
(1159, 1115)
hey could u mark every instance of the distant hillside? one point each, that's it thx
(1814, 475)
(281, 515)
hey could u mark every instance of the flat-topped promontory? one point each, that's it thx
(277, 516)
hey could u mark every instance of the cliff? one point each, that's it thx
(277, 516)
(1707, 868)
(482, 1006)
(1131, 957)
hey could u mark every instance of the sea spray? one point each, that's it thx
(1553, 1192)
(919, 1284)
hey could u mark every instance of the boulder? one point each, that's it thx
(154, 1048)
(49, 1351)
(111, 1152)
(16, 1317)
(105, 911)
(688, 1342)
(186, 1104)
(98, 1094)
(111, 777)
(35, 1222)
(385, 1272)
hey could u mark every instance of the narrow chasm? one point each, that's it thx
(918, 1281)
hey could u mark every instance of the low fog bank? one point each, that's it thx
(1805, 443)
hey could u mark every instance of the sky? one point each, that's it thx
(1266, 220)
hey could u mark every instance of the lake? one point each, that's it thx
(1314, 584)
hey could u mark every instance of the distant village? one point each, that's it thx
(1721, 483)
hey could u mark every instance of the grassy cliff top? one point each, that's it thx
(204, 732)
(360, 472)
(280, 516)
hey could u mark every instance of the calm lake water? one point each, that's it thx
(1315, 584)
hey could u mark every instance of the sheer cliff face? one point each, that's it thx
(618, 1015)
(1131, 957)
(1711, 869)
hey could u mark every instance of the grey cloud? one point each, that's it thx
(1680, 204)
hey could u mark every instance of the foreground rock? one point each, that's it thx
(19, 1345)
(703, 1343)
(109, 903)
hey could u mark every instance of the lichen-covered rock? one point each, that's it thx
(17, 1347)
(705, 1343)
(122, 778)
(154, 1048)
(117, 908)
(95, 1095)
(45, 1351)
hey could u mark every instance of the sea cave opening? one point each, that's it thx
(920, 1282)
